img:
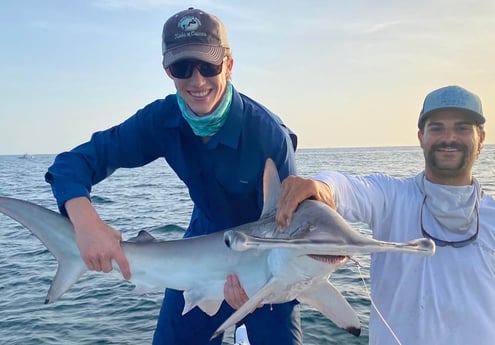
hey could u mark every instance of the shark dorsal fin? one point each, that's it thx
(142, 237)
(271, 188)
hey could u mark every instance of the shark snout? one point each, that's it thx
(423, 246)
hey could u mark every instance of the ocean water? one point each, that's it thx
(104, 309)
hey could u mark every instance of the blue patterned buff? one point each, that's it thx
(208, 125)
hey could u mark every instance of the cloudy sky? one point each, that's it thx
(340, 73)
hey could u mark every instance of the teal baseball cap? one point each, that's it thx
(452, 97)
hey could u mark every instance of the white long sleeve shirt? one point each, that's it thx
(445, 299)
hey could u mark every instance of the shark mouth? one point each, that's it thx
(329, 259)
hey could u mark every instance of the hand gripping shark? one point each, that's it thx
(272, 266)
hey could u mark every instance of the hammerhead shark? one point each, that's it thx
(272, 266)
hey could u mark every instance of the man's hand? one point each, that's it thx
(233, 292)
(98, 242)
(295, 190)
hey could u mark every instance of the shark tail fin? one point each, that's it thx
(67, 275)
(57, 234)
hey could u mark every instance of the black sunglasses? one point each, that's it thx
(184, 69)
(455, 244)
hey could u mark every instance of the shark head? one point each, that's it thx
(315, 229)
(301, 259)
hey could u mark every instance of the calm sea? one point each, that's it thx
(103, 309)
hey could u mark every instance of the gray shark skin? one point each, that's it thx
(272, 266)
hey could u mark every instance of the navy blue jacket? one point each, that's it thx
(224, 175)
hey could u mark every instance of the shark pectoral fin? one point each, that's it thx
(68, 273)
(329, 301)
(195, 297)
(250, 305)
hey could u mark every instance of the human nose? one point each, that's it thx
(450, 134)
(196, 77)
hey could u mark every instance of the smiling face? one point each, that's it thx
(203, 94)
(451, 144)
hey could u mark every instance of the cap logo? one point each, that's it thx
(189, 23)
(189, 26)
(453, 98)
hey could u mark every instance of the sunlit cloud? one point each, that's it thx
(381, 27)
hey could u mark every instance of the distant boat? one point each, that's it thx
(26, 156)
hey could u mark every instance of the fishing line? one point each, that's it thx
(358, 265)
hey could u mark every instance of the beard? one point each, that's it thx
(449, 167)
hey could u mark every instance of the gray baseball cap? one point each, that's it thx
(452, 97)
(194, 34)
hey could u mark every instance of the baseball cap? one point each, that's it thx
(452, 97)
(193, 34)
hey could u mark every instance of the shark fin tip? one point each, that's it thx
(216, 334)
(354, 330)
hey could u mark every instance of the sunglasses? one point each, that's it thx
(454, 244)
(184, 69)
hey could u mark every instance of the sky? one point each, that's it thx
(348, 73)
